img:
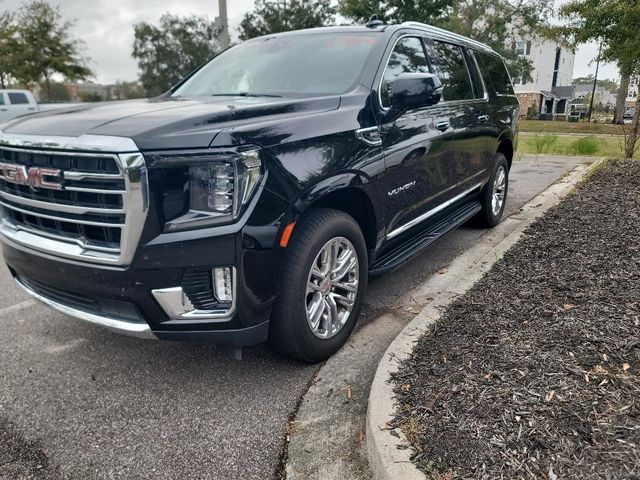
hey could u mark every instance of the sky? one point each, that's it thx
(106, 27)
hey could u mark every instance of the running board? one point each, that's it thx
(417, 243)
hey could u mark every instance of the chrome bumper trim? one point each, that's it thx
(177, 305)
(138, 330)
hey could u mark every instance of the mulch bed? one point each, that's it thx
(535, 372)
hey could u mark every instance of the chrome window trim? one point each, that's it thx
(448, 36)
(132, 329)
(431, 213)
(133, 171)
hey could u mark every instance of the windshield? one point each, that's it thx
(291, 65)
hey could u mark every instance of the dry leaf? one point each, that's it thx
(599, 369)
(626, 367)
(405, 387)
(550, 395)
(361, 438)
(442, 271)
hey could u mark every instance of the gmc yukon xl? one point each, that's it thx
(253, 200)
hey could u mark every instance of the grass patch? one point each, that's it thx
(552, 144)
(539, 126)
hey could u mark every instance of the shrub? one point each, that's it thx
(586, 146)
(544, 143)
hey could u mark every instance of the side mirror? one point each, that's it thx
(415, 90)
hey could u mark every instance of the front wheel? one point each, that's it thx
(322, 283)
(494, 194)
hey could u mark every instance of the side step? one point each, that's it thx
(416, 244)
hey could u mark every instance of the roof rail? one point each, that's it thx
(374, 22)
(448, 34)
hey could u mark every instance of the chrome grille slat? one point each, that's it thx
(59, 207)
(59, 219)
(92, 176)
(97, 216)
(85, 244)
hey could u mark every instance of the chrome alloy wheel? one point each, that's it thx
(332, 287)
(499, 191)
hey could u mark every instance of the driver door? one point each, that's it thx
(418, 145)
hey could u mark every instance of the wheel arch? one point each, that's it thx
(505, 147)
(352, 194)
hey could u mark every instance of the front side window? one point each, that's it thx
(408, 56)
(284, 66)
(18, 99)
(450, 65)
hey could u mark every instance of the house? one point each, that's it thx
(634, 88)
(603, 97)
(544, 92)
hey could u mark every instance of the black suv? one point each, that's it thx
(254, 199)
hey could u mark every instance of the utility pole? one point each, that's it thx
(223, 22)
(595, 83)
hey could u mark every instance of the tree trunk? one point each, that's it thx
(621, 100)
(633, 135)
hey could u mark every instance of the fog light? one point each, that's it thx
(223, 284)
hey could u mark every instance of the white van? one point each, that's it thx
(14, 103)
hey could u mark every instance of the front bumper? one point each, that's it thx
(123, 300)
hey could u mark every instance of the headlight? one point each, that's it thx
(220, 185)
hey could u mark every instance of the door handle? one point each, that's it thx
(31, 108)
(483, 118)
(3, 109)
(443, 126)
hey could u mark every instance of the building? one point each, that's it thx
(634, 88)
(552, 70)
(603, 97)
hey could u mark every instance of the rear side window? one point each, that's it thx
(408, 56)
(1, 98)
(495, 73)
(478, 86)
(449, 64)
(18, 98)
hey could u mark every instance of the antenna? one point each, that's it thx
(374, 22)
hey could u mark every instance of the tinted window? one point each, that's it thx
(478, 87)
(1, 98)
(450, 65)
(18, 98)
(290, 65)
(495, 73)
(407, 57)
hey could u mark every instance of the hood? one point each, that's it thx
(161, 124)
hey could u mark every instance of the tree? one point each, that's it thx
(494, 22)
(281, 16)
(168, 52)
(45, 48)
(8, 48)
(615, 24)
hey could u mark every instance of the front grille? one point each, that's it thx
(96, 217)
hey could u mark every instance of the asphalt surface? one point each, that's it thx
(80, 402)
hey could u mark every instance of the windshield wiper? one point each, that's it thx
(245, 94)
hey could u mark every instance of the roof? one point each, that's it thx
(431, 31)
(565, 92)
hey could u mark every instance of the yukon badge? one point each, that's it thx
(398, 190)
(34, 177)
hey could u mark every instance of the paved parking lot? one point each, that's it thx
(80, 402)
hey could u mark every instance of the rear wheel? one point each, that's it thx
(494, 194)
(322, 283)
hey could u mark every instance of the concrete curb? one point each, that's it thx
(386, 460)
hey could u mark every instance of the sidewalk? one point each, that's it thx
(534, 372)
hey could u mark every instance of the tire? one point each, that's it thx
(489, 217)
(310, 336)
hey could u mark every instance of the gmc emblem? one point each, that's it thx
(34, 177)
